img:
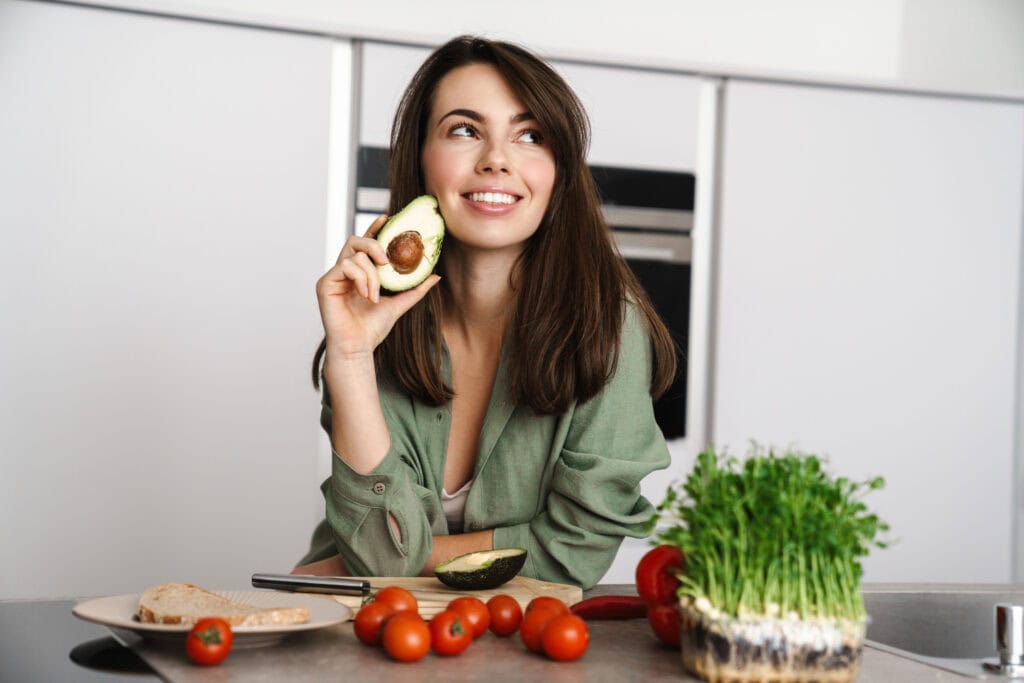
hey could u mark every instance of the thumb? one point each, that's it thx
(409, 298)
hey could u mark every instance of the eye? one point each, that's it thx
(531, 136)
(462, 130)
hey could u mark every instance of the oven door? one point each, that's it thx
(661, 262)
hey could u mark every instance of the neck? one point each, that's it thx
(479, 297)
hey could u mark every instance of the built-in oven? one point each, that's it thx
(651, 215)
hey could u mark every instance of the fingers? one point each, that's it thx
(363, 275)
(365, 245)
(356, 272)
(376, 226)
(357, 263)
(372, 278)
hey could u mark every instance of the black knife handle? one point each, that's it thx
(304, 583)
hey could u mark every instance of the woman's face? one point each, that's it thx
(486, 161)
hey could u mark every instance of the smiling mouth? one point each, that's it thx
(498, 198)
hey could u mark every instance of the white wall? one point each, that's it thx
(961, 44)
(964, 43)
(162, 205)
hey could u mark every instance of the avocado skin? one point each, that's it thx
(499, 571)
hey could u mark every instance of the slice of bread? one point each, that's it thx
(184, 603)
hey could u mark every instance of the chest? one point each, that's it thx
(473, 382)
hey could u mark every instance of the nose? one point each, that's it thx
(493, 158)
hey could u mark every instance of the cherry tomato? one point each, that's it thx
(400, 599)
(666, 622)
(656, 581)
(449, 633)
(506, 614)
(547, 601)
(534, 622)
(209, 641)
(474, 613)
(565, 638)
(369, 621)
(406, 637)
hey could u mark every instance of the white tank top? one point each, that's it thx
(454, 506)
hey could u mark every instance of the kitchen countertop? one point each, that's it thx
(43, 641)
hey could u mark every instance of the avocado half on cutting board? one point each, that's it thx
(481, 570)
(412, 240)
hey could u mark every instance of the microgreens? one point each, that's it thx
(772, 536)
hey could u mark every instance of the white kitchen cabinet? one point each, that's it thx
(869, 252)
(164, 194)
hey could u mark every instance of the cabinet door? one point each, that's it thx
(868, 306)
(164, 193)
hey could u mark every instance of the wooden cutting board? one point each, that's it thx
(433, 595)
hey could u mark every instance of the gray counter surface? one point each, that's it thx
(43, 641)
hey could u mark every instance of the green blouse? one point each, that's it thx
(564, 487)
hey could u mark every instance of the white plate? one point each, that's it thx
(118, 613)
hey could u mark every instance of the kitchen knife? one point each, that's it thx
(306, 583)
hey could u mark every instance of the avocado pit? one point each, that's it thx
(405, 251)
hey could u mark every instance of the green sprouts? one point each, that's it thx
(772, 536)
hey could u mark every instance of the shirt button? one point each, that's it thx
(379, 488)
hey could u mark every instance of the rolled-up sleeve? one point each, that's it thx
(358, 507)
(612, 442)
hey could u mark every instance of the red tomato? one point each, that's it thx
(400, 599)
(209, 641)
(506, 614)
(534, 622)
(565, 638)
(449, 633)
(656, 581)
(369, 621)
(406, 637)
(474, 612)
(666, 622)
(547, 601)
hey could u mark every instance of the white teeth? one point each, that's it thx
(492, 197)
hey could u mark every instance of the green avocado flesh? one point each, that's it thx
(412, 239)
(481, 570)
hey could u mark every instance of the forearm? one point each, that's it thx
(332, 566)
(359, 433)
(447, 547)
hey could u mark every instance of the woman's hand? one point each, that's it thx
(355, 317)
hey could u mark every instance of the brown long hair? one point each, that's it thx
(570, 284)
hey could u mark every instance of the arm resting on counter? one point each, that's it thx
(444, 548)
(332, 566)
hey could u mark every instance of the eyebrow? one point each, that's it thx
(480, 118)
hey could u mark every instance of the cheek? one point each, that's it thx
(433, 170)
(542, 177)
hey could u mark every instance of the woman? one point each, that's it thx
(505, 401)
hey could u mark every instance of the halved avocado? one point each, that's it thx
(481, 570)
(412, 239)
